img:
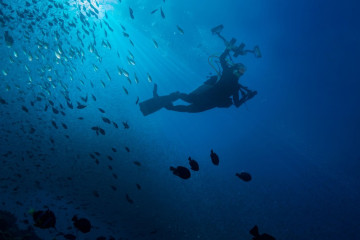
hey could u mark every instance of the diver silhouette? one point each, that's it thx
(218, 91)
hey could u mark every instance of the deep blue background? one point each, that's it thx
(299, 137)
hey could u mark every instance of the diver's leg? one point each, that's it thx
(182, 108)
(185, 97)
(226, 103)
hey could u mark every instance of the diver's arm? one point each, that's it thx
(223, 59)
(236, 97)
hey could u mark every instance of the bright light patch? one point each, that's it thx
(92, 7)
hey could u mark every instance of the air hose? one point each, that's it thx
(212, 65)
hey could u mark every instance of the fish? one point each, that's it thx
(82, 224)
(131, 61)
(125, 90)
(8, 39)
(137, 163)
(108, 75)
(55, 110)
(246, 177)
(54, 124)
(193, 164)
(138, 186)
(24, 109)
(126, 125)
(180, 29)
(84, 99)
(80, 106)
(154, 11)
(44, 219)
(255, 232)
(127, 149)
(181, 172)
(102, 131)
(136, 78)
(155, 44)
(101, 110)
(129, 199)
(162, 13)
(149, 78)
(69, 104)
(126, 74)
(137, 100)
(2, 101)
(131, 42)
(214, 158)
(131, 13)
(106, 120)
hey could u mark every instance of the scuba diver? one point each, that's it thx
(222, 92)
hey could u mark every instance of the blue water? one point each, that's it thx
(299, 137)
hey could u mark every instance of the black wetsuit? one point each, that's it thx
(222, 93)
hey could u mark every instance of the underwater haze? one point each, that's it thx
(74, 140)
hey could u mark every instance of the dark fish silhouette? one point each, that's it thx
(214, 158)
(129, 199)
(255, 232)
(8, 39)
(54, 124)
(69, 104)
(181, 172)
(162, 13)
(154, 11)
(126, 125)
(82, 224)
(180, 29)
(2, 101)
(125, 90)
(106, 120)
(246, 177)
(131, 13)
(44, 219)
(80, 106)
(25, 109)
(193, 164)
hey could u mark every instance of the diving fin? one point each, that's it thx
(157, 102)
(255, 231)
